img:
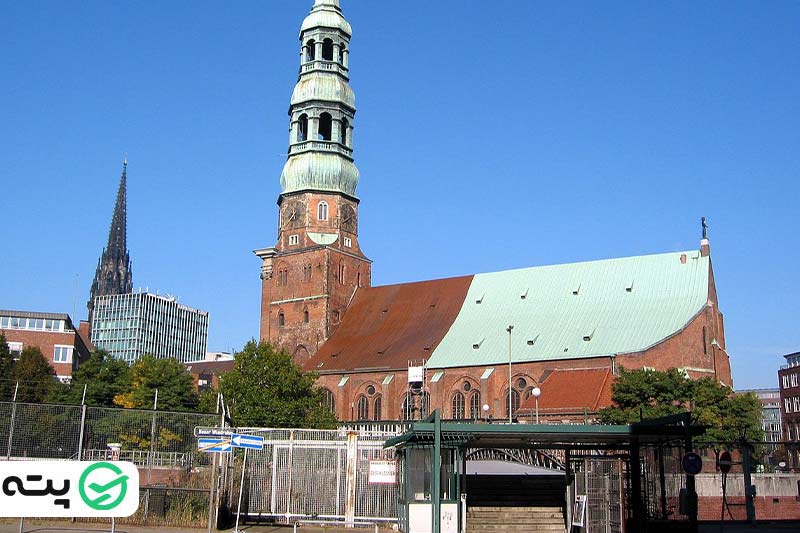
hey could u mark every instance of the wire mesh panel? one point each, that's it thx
(44, 431)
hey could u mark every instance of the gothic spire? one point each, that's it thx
(113, 274)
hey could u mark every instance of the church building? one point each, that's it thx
(480, 346)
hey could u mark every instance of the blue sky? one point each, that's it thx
(489, 135)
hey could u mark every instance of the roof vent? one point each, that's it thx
(590, 336)
(335, 354)
(576, 290)
(566, 349)
(532, 341)
(480, 300)
(477, 345)
(524, 295)
(629, 288)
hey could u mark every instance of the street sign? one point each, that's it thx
(214, 445)
(382, 472)
(725, 462)
(251, 442)
(692, 463)
(212, 432)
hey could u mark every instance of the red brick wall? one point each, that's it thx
(767, 508)
(46, 341)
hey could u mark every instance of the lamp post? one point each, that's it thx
(486, 412)
(536, 392)
(510, 412)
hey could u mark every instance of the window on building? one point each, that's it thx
(794, 380)
(283, 276)
(787, 404)
(405, 407)
(62, 354)
(311, 50)
(281, 319)
(294, 240)
(343, 132)
(341, 53)
(325, 127)
(302, 128)
(341, 271)
(475, 405)
(348, 242)
(514, 401)
(15, 348)
(458, 405)
(328, 400)
(362, 408)
(305, 316)
(705, 342)
(424, 404)
(307, 272)
(796, 404)
(785, 381)
(327, 50)
(376, 409)
(322, 211)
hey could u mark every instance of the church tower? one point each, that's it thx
(113, 274)
(310, 276)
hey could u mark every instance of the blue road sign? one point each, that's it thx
(214, 445)
(252, 442)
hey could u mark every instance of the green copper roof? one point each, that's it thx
(323, 87)
(575, 310)
(319, 172)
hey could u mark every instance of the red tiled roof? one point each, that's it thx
(386, 327)
(574, 389)
(210, 367)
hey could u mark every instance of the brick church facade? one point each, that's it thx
(566, 329)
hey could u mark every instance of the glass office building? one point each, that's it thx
(130, 325)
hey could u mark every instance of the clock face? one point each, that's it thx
(348, 218)
(294, 214)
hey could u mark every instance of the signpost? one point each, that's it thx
(692, 463)
(214, 445)
(249, 442)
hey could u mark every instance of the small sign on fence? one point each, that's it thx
(383, 472)
(214, 445)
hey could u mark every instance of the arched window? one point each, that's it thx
(307, 272)
(705, 342)
(281, 319)
(328, 400)
(424, 405)
(358, 279)
(458, 406)
(302, 128)
(341, 271)
(327, 50)
(475, 405)
(406, 407)
(311, 50)
(343, 131)
(283, 276)
(376, 409)
(325, 127)
(362, 408)
(341, 53)
(305, 316)
(322, 210)
(514, 401)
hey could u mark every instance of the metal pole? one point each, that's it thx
(510, 327)
(83, 430)
(211, 492)
(748, 482)
(21, 525)
(436, 475)
(241, 489)
(152, 441)
(11, 426)
(537, 410)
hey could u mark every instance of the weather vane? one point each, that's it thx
(705, 227)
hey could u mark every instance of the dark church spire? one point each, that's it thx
(113, 274)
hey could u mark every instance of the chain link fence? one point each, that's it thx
(175, 479)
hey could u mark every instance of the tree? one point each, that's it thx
(35, 376)
(104, 377)
(266, 388)
(6, 370)
(647, 394)
(172, 379)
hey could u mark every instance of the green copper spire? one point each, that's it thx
(322, 108)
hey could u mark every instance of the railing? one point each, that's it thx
(143, 457)
(327, 66)
(328, 146)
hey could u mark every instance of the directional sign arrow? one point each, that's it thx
(253, 442)
(212, 445)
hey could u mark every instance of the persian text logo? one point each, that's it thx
(43, 489)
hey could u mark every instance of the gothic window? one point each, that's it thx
(405, 407)
(281, 319)
(475, 405)
(358, 279)
(311, 47)
(328, 400)
(302, 128)
(341, 53)
(283, 277)
(325, 127)
(514, 401)
(376, 409)
(341, 271)
(307, 272)
(458, 406)
(322, 211)
(327, 50)
(424, 405)
(362, 407)
(343, 132)
(705, 346)
(305, 316)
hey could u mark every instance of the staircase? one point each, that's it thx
(528, 519)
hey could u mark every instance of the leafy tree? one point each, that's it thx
(647, 394)
(35, 376)
(208, 401)
(104, 377)
(172, 379)
(6, 370)
(267, 389)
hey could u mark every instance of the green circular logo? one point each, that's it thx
(105, 490)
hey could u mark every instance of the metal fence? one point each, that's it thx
(320, 475)
(175, 479)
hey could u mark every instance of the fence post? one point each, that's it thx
(11, 425)
(350, 481)
(289, 464)
(83, 429)
(152, 441)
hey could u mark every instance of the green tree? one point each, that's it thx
(172, 379)
(266, 388)
(104, 377)
(6, 370)
(208, 401)
(35, 376)
(647, 394)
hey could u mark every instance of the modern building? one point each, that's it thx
(114, 274)
(789, 384)
(54, 334)
(770, 413)
(131, 325)
(397, 351)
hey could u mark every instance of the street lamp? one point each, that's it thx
(486, 412)
(536, 392)
(510, 386)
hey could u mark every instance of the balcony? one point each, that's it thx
(325, 66)
(323, 146)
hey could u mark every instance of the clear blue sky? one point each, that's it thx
(489, 135)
